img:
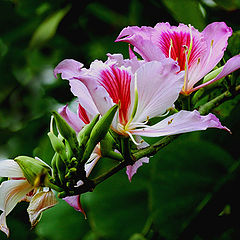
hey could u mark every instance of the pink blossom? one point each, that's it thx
(142, 89)
(196, 52)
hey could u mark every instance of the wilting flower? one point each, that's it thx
(17, 188)
(143, 91)
(77, 122)
(196, 52)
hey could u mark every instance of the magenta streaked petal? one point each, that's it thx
(181, 122)
(74, 201)
(158, 86)
(117, 82)
(230, 66)
(71, 118)
(132, 169)
(68, 68)
(173, 40)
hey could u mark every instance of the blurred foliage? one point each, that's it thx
(183, 192)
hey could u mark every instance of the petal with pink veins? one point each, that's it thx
(181, 122)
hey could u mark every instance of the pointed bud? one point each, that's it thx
(65, 130)
(99, 131)
(34, 170)
(61, 168)
(58, 145)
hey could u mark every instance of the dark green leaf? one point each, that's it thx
(183, 174)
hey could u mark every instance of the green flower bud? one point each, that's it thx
(107, 148)
(34, 170)
(58, 145)
(61, 168)
(65, 130)
(99, 131)
(84, 134)
(54, 168)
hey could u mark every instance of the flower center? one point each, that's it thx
(174, 43)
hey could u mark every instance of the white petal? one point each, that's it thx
(3, 224)
(11, 192)
(9, 168)
(91, 163)
(39, 203)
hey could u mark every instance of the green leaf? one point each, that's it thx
(182, 175)
(47, 28)
(62, 222)
(117, 208)
(186, 11)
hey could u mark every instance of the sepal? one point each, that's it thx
(34, 170)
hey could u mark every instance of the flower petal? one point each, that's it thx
(140, 38)
(92, 161)
(81, 92)
(230, 66)
(216, 37)
(72, 119)
(68, 68)
(158, 88)
(3, 224)
(11, 192)
(10, 168)
(74, 201)
(39, 203)
(181, 122)
(132, 169)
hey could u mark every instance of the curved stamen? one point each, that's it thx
(132, 138)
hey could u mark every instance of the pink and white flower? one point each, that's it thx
(17, 189)
(143, 89)
(197, 53)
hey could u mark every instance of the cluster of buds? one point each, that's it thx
(73, 152)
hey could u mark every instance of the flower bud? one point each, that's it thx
(58, 145)
(99, 131)
(34, 170)
(65, 130)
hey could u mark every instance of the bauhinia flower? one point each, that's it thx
(77, 122)
(142, 89)
(197, 53)
(20, 187)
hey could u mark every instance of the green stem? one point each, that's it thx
(227, 95)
